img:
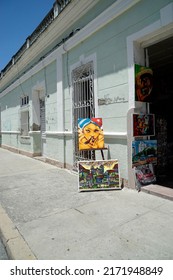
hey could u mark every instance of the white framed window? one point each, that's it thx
(24, 100)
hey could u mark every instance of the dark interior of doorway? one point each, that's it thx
(161, 61)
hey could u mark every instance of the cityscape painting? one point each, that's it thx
(98, 175)
(144, 152)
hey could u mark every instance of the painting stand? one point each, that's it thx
(101, 150)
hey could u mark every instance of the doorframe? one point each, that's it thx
(136, 42)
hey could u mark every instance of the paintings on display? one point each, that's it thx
(143, 83)
(98, 175)
(144, 175)
(90, 133)
(143, 125)
(144, 152)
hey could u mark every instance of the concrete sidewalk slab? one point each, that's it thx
(58, 222)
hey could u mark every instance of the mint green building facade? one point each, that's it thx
(89, 49)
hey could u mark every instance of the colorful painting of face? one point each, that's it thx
(143, 83)
(98, 175)
(143, 125)
(90, 134)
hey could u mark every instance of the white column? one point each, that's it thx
(60, 101)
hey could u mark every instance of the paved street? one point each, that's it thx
(43, 215)
(3, 254)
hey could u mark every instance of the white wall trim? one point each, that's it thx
(59, 93)
(10, 132)
(32, 132)
(59, 133)
(118, 135)
(107, 134)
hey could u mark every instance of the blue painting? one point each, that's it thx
(144, 152)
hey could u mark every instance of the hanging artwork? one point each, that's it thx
(143, 83)
(98, 175)
(143, 125)
(90, 134)
(143, 152)
(144, 175)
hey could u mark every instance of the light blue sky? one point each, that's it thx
(18, 19)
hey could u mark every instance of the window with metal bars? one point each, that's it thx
(83, 105)
(24, 100)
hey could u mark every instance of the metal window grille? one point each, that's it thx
(83, 106)
(24, 100)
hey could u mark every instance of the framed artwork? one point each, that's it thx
(90, 134)
(143, 152)
(144, 175)
(143, 125)
(143, 83)
(98, 175)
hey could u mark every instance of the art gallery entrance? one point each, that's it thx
(161, 61)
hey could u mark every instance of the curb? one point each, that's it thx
(15, 245)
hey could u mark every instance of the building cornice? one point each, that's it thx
(115, 10)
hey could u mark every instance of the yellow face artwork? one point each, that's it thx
(91, 132)
(91, 137)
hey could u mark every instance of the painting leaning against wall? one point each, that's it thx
(98, 175)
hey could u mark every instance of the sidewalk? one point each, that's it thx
(43, 216)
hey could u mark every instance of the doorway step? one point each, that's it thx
(159, 190)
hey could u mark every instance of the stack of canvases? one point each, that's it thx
(144, 150)
(95, 174)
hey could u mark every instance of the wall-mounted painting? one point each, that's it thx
(143, 83)
(143, 152)
(143, 125)
(144, 175)
(98, 175)
(90, 134)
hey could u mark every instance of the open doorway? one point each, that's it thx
(161, 61)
